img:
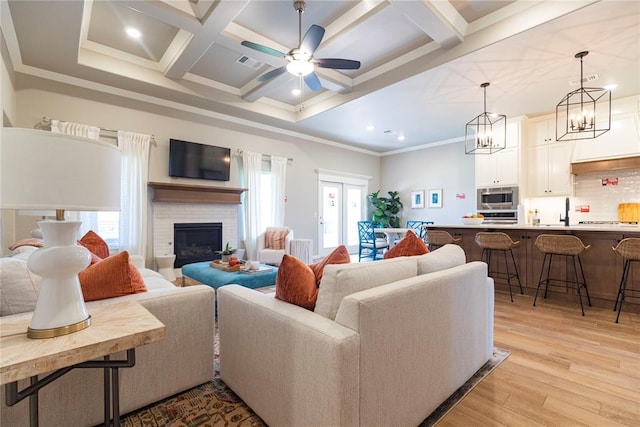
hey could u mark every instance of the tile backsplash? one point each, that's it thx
(589, 191)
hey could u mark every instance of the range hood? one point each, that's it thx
(605, 165)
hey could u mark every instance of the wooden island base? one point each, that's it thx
(602, 267)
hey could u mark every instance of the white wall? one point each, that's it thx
(446, 167)
(36, 98)
(7, 91)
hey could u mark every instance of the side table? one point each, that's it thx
(115, 327)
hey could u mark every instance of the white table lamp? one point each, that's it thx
(41, 170)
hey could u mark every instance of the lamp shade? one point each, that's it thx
(42, 170)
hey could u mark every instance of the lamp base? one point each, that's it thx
(60, 308)
(59, 331)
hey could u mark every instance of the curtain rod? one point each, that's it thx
(239, 153)
(47, 122)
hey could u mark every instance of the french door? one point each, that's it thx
(341, 206)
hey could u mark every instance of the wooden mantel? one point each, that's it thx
(168, 192)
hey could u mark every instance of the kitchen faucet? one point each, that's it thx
(566, 213)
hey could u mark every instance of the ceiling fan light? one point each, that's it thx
(300, 68)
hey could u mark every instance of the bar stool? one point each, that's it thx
(491, 241)
(438, 238)
(565, 245)
(629, 250)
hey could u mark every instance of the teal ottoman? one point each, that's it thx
(214, 277)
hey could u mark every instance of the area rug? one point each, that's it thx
(214, 404)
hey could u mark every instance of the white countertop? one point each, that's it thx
(616, 228)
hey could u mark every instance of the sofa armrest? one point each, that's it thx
(137, 261)
(287, 242)
(268, 345)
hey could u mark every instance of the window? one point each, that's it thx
(108, 227)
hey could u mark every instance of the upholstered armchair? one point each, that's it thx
(273, 244)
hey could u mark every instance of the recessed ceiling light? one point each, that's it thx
(133, 33)
(401, 137)
(370, 127)
(296, 92)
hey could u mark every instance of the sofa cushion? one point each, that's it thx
(408, 246)
(339, 255)
(296, 283)
(340, 280)
(95, 244)
(275, 238)
(447, 256)
(19, 287)
(38, 243)
(112, 277)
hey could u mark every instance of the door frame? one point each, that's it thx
(344, 178)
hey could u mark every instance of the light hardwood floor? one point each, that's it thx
(563, 370)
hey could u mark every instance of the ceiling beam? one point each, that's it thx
(438, 19)
(213, 25)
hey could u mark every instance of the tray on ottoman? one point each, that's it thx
(224, 266)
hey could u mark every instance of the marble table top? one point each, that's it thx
(114, 327)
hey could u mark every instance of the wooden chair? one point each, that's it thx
(564, 245)
(369, 245)
(629, 250)
(501, 242)
(437, 238)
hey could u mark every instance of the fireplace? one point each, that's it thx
(196, 242)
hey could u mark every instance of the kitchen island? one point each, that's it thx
(602, 267)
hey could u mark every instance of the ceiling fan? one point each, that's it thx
(300, 60)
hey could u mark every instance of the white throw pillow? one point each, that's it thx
(340, 280)
(447, 256)
(19, 287)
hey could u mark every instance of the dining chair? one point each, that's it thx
(370, 245)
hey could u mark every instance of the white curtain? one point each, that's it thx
(89, 219)
(278, 182)
(133, 199)
(251, 171)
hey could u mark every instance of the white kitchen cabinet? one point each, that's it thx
(542, 132)
(549, 169)
(501, 169)
(623, 140)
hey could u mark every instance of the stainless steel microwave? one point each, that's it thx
(498, 198)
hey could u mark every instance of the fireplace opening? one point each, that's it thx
(196, 242)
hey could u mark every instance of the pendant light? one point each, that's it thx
(486, 133)
(584, 113)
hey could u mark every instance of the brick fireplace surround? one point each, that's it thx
(179, 203)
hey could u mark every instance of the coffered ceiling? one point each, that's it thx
(422, 61)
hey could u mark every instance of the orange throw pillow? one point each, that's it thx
(408, 246)
(95, 244)
(339, 255)
(296, 283)
(112, 277)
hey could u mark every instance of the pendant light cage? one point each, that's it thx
(487, 132)
(584, 113)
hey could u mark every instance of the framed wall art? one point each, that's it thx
(435, 197)
(417, 199)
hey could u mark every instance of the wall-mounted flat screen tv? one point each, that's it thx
(200, 161)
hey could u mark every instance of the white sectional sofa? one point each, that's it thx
(184, 359)
(388, 342)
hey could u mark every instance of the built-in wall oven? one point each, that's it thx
(498, 204)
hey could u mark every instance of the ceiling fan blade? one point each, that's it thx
(271, 74)
(312, 39)
(338, 64)
(263, 49)
(313, 82)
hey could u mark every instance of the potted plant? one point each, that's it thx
(226, 252)
(386, 210)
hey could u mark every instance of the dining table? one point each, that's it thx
(394, 234)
